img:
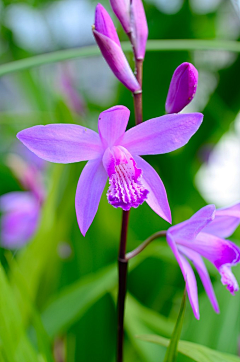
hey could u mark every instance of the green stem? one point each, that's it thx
(89, 51)
(138, 250)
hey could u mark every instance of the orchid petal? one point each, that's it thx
(218, 251)
(162, 134)
(157, 197)
(62, 143)
(203, 273)
(188, 275)
(89, 190)
(225, 222)
(112, 124)
(189, 229)
(117, 61)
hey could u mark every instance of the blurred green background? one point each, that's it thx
(58, 293)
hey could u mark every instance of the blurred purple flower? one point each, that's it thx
(182, 88)
(107, 39)
(73, 98)
(114, 153)
(21, 212)
(203, 235)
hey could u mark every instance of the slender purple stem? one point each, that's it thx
(122, 284)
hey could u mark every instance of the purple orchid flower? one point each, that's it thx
(203, 235)
(114, 153)
(107, 39)
(182, 88)
(21, 213)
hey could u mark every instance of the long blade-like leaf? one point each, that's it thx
(195, 351)
(88, 51)
(171, 353)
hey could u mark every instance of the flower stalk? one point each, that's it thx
(122, 284)
(137, 96)
(135, 252)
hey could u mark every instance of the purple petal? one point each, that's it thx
(20, 223)
(121, 9)
(157, 197)
(189, 229)
(225, 222)
(139, 28)
(89, 190)
(62, 143)
(218, 251)
(203, 273)
(162, 134)
(104, 24)
(228, 279)
(117, 61)
(112, 124)
(188, 275)
(182, 88)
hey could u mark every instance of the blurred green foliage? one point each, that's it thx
(54, 305)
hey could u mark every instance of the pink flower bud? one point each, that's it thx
(109, 44)
(182, 88)
(121, 8)
(139, 28)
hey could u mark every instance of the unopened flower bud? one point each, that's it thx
(109, 44)
(121, 9)
(182, 88)
(139, 28)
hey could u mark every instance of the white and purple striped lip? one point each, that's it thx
(126, 189)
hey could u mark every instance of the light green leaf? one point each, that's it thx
(195, 351)
(14, 343)
(171, 353)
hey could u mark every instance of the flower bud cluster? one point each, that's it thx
(132, 17)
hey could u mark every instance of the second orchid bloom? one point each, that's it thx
(114, 153)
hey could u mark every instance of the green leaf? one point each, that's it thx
(171, 353)
(88, 51)
(32, 259)
(140, 319)
(195, 351)
(14, 343)
(74, 301)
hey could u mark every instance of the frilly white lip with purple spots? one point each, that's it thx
(203, 235)
(114, 153)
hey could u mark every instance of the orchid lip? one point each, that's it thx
(125, 189)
